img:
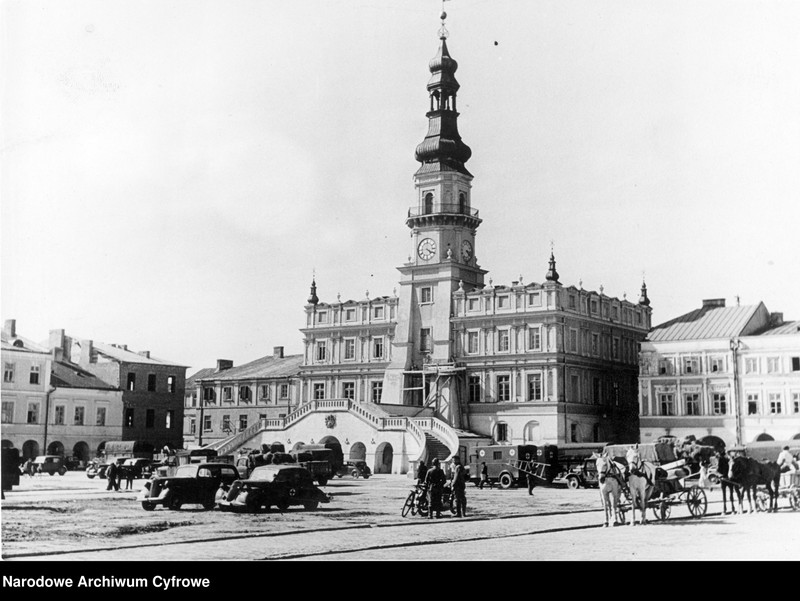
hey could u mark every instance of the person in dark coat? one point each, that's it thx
(128, 470)
(111, 474)
(458, 484)
(434, 480)
(422, 471)
(531, 483)
(485, 476)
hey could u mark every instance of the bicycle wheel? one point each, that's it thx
(409, 505)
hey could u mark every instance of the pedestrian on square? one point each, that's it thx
(422, 471)
(458, 485)
(111, 475)
(129, 475)
(485, 476)
(531, 483)
(434, 480)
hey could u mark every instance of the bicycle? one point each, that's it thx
(416, 502)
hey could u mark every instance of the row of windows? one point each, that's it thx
(774, 404)
(694, 365)
(60, 417)
(245, 394)
(502, 389)
(773, 364)
(149, 418)
(152, 380)
(349, 349)
(378, 312)
(349, 391)
(602, 345)
(503, 340)
(9, 373)
(503, 301)
(692, 404)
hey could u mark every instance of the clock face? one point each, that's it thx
(466, 250)
(426, 249)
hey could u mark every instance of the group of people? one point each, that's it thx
(434, 479)
(116, 473)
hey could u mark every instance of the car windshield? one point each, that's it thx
(265, 473)
(186, 471)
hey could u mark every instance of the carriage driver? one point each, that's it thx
(786, 461)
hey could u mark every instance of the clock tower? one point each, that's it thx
(443, 225)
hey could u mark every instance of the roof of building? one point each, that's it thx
(265, 367)
(121, 354)
(18, 343)
(69, 375)
(790, 327)
(205, 372)
(706, 323)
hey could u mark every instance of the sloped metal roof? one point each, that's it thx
(790, 327)
(265, 367)
(705, 323)
(69, 375)
(129, 356)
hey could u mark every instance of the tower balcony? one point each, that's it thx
(443, 214)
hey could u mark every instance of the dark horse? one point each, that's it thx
(723, 468)
(747, 473)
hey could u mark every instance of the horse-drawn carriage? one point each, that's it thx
(650, 476)
(759, 473)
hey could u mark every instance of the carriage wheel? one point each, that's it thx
(697, 502)
(662, 509)
(762, 501)
(794, 499)
(409, 505)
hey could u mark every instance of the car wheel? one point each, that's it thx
(252, 504)
(52, 473)
(209, 504)
(365, 477)
(175, 502)
(506, 481)
(573, 483)
(311, 504)
(282, 505)
(62, 471)
(354, 473)
(148, 506)
(322, 480)
(90, 476)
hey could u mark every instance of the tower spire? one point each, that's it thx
(313, 299)
(643, 300)
(552, 274)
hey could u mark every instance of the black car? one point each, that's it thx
(141, 468)
(279, 485)
(357, 469)
(192, 483)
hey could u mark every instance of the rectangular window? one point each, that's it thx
(472, 343)
(377, 391)
(691, 365)
(535, 339)
(665, 367)
(264, 392)
(501, 431)
(349, 314)
(378, 312)
(349, 390)
(426, 295)
(594, 306)
(100, 417)
(615, 313)
(59, 419)
(425, 342)
(573, 432)
(244, 394)
(773, 365)
(751, 365)
(34, 377)
(131, 381)
(719, 403)
(8, 412)
(535, 387)
(206, 423)
(572, 301)
(502, 341)
(79, 414)
(667, 404)
(170, 419)
(473, 304)
(717, 364)
(692, 404)
(615, 348)
(796, 402)
(192, 426)
(151, 382)
(150, 418)
(795, 363)
(227, 393)
(8, 373)
(349, 348)
(209, 394)
(322, 317)
(129, 417)
(377, 348)
(319, 391)
(242, 422)
(322, 350)
(596, 391)
(752, 404)
(474, 389)
(535, 299)
(226, 424)
(573, 341)
(171, 384)
(502, 302)
(284, 394)
(595, 344)
(33, 413)
(503, 388)
(575, 388)
(775, 403)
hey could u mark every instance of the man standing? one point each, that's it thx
(485, 476)
(786, 461)
(531, 483)
(458, 485)
(422, 471)
(111, 475)
(435, 480)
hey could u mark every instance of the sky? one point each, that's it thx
(175, 172)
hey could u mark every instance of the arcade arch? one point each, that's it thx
(763, 437)
(30, 449)
(532, 432)
(7, 444)
(384, 455)
(81, 451)
(55, 448)
(358, 452)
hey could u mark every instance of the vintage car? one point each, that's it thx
(48, 464)
(357, 469)
(98, 468)
(279, 485)
(191, 483)
(141, 468)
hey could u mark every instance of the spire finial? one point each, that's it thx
(643, 300)
(443, 33)
(552, 274)
(312, 298)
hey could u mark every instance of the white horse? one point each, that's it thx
(608, 477)
(641, 480)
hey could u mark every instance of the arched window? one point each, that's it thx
(764, 437)
(462, 203)
(428, 208)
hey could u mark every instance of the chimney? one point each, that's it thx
(223, 364)
(56, 339)
(58, 353)
(144, 354)
(10, 328)
(776, 319)
(713, 302)
(277, 352)
(86, 352)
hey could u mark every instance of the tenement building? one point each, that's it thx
(722, 374)
(448, 361)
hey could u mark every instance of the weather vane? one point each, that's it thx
(443, 33)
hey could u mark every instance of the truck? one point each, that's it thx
(509, 465)
(576, 466)
(317, 459)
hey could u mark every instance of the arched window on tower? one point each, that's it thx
(435, 100)
(462, 203)
(428, 208)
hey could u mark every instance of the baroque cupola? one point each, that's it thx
(552, 274)
(442, 149)
(643, 299)
(312, 298)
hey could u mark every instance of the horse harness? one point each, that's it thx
(635, 470)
